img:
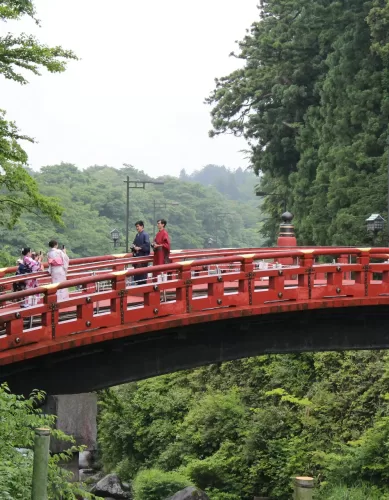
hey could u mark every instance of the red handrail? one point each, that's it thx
(202, 289)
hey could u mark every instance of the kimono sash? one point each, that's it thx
(56, 261)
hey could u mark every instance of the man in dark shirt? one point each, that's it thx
(141, 248)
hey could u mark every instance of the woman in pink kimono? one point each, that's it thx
(31, 265)
(58, 267)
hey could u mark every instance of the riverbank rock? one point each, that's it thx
(110, 487)
(189, 493)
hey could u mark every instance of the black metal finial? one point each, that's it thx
(287, 217)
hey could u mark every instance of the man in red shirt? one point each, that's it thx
(161, 244)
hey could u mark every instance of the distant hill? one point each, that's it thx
(94, 201)
(234, 184)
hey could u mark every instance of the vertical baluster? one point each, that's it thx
(184, 293)
(363, 276)
(306, 279)
(247, 284)
(51, 317)
(119, 302)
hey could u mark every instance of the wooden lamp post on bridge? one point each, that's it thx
(133, 185)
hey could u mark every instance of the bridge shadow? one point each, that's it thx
(137, 357)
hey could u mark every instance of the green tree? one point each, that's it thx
(18, 54)
(312, 101)
(243, 428)
(95, 204)
(266, 100)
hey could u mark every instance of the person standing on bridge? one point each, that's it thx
(31, 265)
(141, 248)
(161, 245)
(58, 267)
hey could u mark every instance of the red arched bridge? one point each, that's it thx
(203, 307)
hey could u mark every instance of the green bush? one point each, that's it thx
(362, 492)
(155, 484)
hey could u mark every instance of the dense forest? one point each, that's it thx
(244, 428)
(94, 202)
(234, 184)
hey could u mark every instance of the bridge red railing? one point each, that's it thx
(190, 291)
(86, 266)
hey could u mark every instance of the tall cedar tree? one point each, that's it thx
(312, 102)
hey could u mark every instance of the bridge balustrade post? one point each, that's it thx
(363, 276)
(385, 279)
(153, 298)
(3, 271)
(117, 302)
(51, 317)
(85, 312)
(118, 267)
(306, 280)
(184, 294)
(277, 283)
(14, 326)
(335, 279)
(90, 287)
(319, 275)
(344, 259)
(246, 285)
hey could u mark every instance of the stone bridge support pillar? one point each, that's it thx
(76, 415)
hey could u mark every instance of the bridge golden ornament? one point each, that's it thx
(50, 286)
(4, 269)
(306, 251)
(119, 255)
(186, 263)
(119, 273)
(247, 255)
(364, 249)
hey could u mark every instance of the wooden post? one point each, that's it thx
(41, 464)
(303, 488)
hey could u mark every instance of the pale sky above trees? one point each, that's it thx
(137, 93)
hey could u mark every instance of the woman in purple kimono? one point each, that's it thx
(58, 267)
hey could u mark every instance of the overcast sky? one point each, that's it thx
(137, 94)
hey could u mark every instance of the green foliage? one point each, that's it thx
(20, 193)
(14, 9)
(312, 101)
(24, 51)
(19, 54)
(6, 257)
(234, 184)
(95, 204)
(18, 419)
(244, 428)
(155, 484)
(363, 492)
